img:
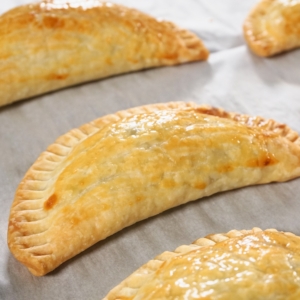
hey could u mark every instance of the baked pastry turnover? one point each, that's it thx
(247, 264)
(273, 26)
(57, 43)
(123, 168)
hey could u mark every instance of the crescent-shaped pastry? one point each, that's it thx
(57, 43)
(273, 26)
(246, 264)
(123, 168)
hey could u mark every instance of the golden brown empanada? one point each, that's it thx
(247, 264)
(273, 26)
(123, 168)
(54, 44)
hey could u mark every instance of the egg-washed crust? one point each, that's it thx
(129, 287)
(54, 44)
(273, 26)
(33, 199)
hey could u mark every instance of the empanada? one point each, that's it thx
(58, 43)
(247, 264)
(123, 168)
(273, 26)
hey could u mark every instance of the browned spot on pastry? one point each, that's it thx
(105, 206)
(200, 185)
(53, 22)
(169, 183)
(22, 20)
(263, 160)
(212, 111)
(139, 198)
(225, 168)
(52, 200)
(57, 76)
(4, 56)
(24, 245)
(108, 61)
(154, 178)
(170, 56)
(75, 220)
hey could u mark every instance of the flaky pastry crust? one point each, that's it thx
(54, 44)
(273, 26)
(241, 264)
(128, 166)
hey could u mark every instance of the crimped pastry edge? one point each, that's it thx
(262, 44)
(38, 179)
(133, 282)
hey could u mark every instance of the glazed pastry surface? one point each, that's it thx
(53, 44)
(125, 167)
(251, 264)
(273, 27)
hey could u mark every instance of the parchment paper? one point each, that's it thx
(232, 78)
